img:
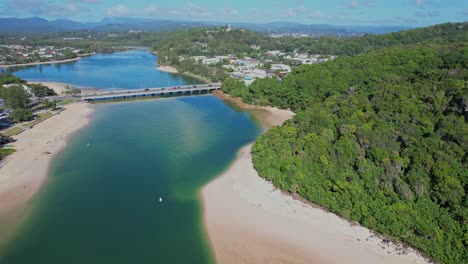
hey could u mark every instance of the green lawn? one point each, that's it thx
(13, 131)
(65, 102)
(5, 152)
(40, 118)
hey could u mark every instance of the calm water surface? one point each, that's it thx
(132, 69)
(101, 202)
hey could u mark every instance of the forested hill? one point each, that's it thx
(380, 138)
(221, 41)
(438, 34)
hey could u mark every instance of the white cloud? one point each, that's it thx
(230, 12)
(152, 10)
(86, 1)
(40, 8)
(427, 14)
(195, 10)
(355, 4)
(300, 12)
(315, 14)
(292, 12)
(118, 10)
(422, 3)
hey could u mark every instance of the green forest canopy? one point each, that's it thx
(380, 138)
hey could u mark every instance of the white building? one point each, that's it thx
(282, 68)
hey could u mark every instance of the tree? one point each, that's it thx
(50, 104)
(15, 96)
(41, 90)
(20, 114)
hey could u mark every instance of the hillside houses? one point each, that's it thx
(17, 54)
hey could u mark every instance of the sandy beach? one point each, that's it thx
(38, 63)
(23, 173)
(249, 221)
(168, 69)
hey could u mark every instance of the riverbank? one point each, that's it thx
(248, 220)
(24, 172)
(169, 69)
(38, 63)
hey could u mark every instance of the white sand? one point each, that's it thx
(168, 69)
(23, 173)
(249, 221)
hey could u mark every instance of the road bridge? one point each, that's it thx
(151, 92)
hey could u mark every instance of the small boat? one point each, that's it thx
(160, 199)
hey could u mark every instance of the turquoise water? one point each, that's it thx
(133, 69)
(100, 203)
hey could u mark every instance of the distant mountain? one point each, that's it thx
(119, 24)
(66, 24)
(26, 25)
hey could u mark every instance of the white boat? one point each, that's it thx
(160, 199)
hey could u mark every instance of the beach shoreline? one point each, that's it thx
(248, 220)
(168, 69)
(39, 63)
(24, 172)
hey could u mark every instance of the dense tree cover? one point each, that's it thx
(21, 114)
(41, 90)
(220, 41)
(439, 34)
(15, 96)
(380, 138)
(6, 78)
(50, 104)
(210, 73)
(207, 41)
(175, 48)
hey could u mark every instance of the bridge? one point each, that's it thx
(151, 92)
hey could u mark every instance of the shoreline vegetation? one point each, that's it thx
(23, 173)
(173, 70)
(248, 220)
(58, 87)
(46, 62)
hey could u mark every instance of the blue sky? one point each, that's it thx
(344, 12)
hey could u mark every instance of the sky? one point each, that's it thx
(334, 12)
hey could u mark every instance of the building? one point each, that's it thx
(281, 68)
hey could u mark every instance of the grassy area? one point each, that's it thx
(13, 131)
(65, 102)
(5, 152)
(40, 118)
(16, 130)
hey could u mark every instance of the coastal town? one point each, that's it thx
(268, 65)
(20, 54)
